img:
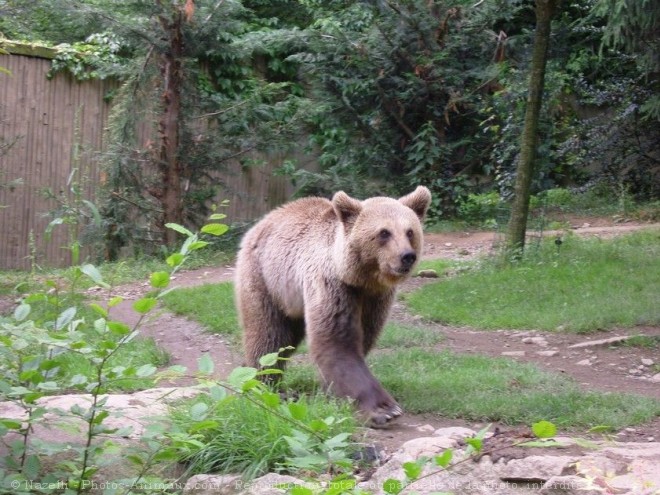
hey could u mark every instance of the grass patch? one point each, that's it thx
(397, 336)
(135, 353)
(584, 286)
(247, 438)
(643, 341)
(212, 305)
(478, 388)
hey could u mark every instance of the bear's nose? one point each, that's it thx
(408, 258)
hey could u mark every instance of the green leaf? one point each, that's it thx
(179, 228)
(544, 429)
(22, 311)
(240, 375)
(92, 272)
(160, 280)
(269, 359)
(217, 393)
(205, 364)
(99, 309)
(32, 467)
(198, 411)
(11, 424)
(444, 459)
(475, 443)
(301, 490)
(145, 304)
(392, 486)
(95, 212)
(114, 301)
(217, 216)
(412, 470)
(118, 328)
(145, 370)
(197, 245)
(270, 399)
(207, 424)
(215, 228)
(65, 317)
(337, 441)
(298, 410)
(175, 259)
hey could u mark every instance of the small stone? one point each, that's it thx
(463, 252)
(427, 273)
(656, 377)
(651, 439)
(513, 353)
(535, 340)
(584, 362)
(547, 353)
(634, 371)
(448, 244)
(648, 362)
(641, 367)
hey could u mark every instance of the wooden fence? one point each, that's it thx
(51, 133)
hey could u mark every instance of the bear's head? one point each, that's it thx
(381, 238)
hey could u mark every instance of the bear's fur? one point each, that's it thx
(328, 270)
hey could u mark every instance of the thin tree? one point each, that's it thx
(515, 236)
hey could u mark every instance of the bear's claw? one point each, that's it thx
(382, 417)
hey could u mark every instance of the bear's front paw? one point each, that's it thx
(383, 416)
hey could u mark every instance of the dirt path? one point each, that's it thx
(600, 367)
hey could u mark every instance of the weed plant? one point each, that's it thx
(250, 439)
(582, 285)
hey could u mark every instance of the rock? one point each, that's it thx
(425, 428)
(584, 362)
(429, 273)
(656, 377)
(513, 353)
(427, 446)
(535, 340)
(207, 484)
(635, 372)
(272, 484)
(547, 353)
(648, 362)
(535, 468)
(455, 432)
(569, 485)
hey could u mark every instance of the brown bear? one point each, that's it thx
(328, 271)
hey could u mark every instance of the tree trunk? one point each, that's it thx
(515, 236)
(169, 164)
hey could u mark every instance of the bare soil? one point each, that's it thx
(604, 367)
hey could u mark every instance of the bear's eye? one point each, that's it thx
(384, 235)
(410, 234)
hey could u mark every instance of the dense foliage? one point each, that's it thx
(386, 95)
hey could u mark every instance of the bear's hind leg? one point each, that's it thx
(266, 328)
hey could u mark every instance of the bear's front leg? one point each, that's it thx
(346, 374)
(335, 337)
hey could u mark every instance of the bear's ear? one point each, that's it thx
(418, 201)
(346, 208)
